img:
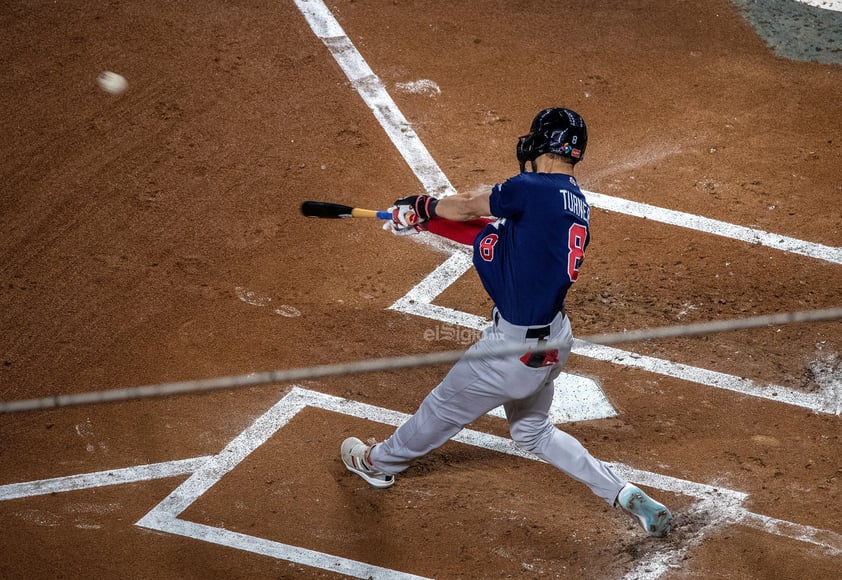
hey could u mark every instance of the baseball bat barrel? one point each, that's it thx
(329, 210)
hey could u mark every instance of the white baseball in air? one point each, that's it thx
(112, 83)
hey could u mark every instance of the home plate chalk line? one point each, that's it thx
(715, 505)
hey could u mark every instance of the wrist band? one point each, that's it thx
(425, 207)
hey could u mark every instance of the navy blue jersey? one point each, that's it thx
(530, 256)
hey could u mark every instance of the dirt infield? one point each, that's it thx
(155, 237)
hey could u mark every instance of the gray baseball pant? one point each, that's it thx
(474, 387)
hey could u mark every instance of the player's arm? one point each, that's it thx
(464, 206)
(457, 217)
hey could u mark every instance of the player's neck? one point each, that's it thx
(553, 164)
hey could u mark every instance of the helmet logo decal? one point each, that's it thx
(557, 138)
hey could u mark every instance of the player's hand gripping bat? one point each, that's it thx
(326, 209)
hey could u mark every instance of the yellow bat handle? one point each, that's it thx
(363, 213)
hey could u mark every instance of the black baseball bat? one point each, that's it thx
(326, 209)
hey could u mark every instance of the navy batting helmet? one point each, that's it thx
(555, 130)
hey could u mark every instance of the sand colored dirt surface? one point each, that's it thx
(155, 237)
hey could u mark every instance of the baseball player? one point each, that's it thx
(527, 259)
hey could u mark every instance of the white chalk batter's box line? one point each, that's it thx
(716, 506)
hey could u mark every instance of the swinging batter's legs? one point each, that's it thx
(474, 387)
(460, 398)
(531, 428)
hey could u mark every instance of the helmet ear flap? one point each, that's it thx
(525, 146)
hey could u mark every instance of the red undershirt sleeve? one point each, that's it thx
(460, 232)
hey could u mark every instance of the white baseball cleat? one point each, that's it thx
(652, 516)
(355, 457)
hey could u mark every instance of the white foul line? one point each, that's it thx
(835, 5)
(824, 400)
(101, 478)
(715, 227)
(374, 94)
